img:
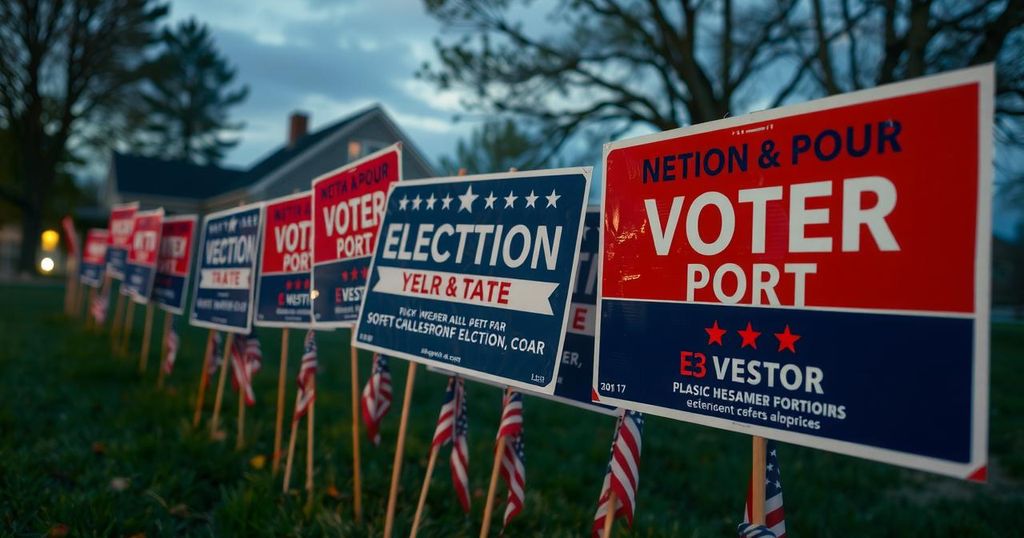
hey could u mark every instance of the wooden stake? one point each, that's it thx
(423, 491)
(309, 445)
(357, 482)
(396, 469)
(78, 303)
(115, 324)
(240, 439)
(279, 424)
(168, 317)
(609, 517)
(129, 322)
(291, 452)
(757, 482)
(90, 320)
(225, 364)
(492, 487)
(70, 286)
(146, 334)
(204, 377)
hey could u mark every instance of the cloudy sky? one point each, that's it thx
(329, 58)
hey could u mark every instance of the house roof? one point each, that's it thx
(149, 175)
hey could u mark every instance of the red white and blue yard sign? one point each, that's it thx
(140, 270)
(122, 218)
(348, 204)
(283, 287)
(94, 257)
(222, 296)
(175, 262)
(474, 274)
(816, 274)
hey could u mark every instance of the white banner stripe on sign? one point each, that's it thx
(226, 279)
(506, 293)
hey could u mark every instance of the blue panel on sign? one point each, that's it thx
(798, 370)
(473, 274)
(347, 280)
(225, 275)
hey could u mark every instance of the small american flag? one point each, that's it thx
(98, 308)
(453, 426)
(623, 474)
(215, 352)
(171, 345)
(377, 397)
(307, 377)
(246, 360)
(513, 458)
(774, 515)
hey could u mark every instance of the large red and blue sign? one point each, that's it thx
(174, 262)
(119, 228)
(474, 274)
(816, 274)
(348, 204)
(222, 296)
(140, 271)
(283, 288)
(94, 257)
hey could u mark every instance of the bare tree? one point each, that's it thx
(62, 61)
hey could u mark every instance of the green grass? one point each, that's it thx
(73, 418)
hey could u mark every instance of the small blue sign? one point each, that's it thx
(222, 297)
(474, 274)
(91, 274)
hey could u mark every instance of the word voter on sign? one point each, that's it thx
(347, 207)
(284, 287)
(474, 274)
(816, 274)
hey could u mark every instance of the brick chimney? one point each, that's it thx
(298, 126)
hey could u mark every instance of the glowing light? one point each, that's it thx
(46, 265)
(50, 239)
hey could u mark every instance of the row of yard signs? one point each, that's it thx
(816, 274)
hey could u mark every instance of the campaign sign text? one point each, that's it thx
(94, 257)
(816, 274)
(122, 218)
(142, 256)
(174, 262)
(283, 287)
(475, 274)
(228, 251)
(348, 204)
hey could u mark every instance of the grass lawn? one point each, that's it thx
(88, 443)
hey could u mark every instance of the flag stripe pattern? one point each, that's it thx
(453, 427)
(246, 360)
(623, 473)
(376, 397)
(513, 458)
(171, 344)
(774, 514)
(98, 308)
(307, 377)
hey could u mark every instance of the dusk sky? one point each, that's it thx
(329, 58)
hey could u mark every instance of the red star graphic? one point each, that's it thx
(288, 284)
(787, 339)
(715, 334)
(306, 283)
(344, 276)
(749, 336)
(365, 271)
(355, 273)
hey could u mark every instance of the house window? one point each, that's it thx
(362, 148)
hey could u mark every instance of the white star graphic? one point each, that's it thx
(416, 202)
(466, 200)
(510, 200)
(770, 467)
(232, 224)
(490, 200)
(552, 199)
(431, 201)
(446, 201)
(531, 200)
(404, 201)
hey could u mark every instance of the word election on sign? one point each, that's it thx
(283, 289)
(174, 262)
(222, 296)
(122, 219)
(348, 205)
(821, 290)
(140, 270)
(94, 257)
(474, 274)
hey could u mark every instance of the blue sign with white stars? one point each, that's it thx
(475, 274)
